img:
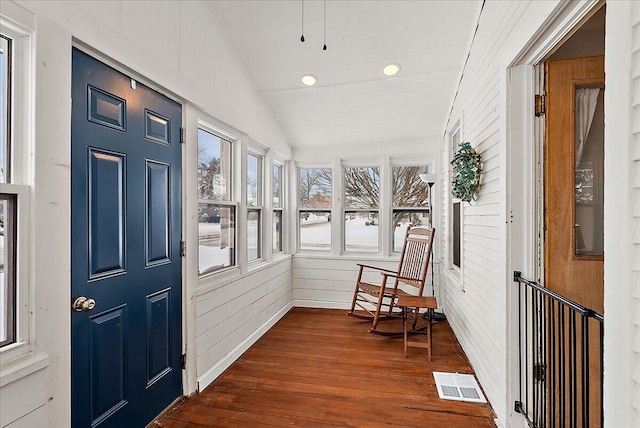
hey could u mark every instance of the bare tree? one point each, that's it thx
(315, 187)
(408, 189)
(362, 187)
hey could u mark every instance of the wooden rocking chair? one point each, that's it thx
(412, 272)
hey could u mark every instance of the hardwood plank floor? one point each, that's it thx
(321, 368)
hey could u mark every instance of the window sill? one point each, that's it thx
(22, 367)
(353, 257)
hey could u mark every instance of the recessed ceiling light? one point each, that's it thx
(391, 69)
(309, 79)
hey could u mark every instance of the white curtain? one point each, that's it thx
(586, 100)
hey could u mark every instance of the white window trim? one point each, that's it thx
(21, 141)
(272, 162)
(337, 165)
(381, 229)
(454, 272)
(259, 153)
(298, 208)
(235, 141)
(403, 162)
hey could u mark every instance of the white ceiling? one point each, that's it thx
(353, 103)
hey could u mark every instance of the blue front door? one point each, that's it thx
(126, 229)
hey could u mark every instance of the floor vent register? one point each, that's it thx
(460, 387)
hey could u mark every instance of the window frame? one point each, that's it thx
(233, 196)
(259, 207)
(279, 210)
(304, 209)
(394, 208)
(20, 139)
(348, 210)
(385, 208)
(455, 137)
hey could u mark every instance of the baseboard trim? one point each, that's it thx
(320, 304)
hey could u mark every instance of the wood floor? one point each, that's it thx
(321, 368)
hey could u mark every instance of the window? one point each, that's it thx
(277, 205)
(7, 209)
(216, 206)
(254, 207)
(5, 80)
(410, 197)
(456, 212)
(314, 201)
(7, 268)
(14, 192)
(361, 214)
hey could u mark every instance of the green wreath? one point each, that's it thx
(467, 168)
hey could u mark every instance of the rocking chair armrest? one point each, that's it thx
(376, 268)
(393, 275)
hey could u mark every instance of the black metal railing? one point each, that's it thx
(561, 351)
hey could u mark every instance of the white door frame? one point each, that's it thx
(524, 184)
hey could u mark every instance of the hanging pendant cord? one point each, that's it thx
(324, 48)
(302, 21)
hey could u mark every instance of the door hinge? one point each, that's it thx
(183, 248)
(183, 361)
(540, 106)
(183, 135)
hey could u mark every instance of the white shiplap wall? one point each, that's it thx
(475, 298)
(622, 216)
(329, 282)
(476, 295)
(635, 215)
(233, 314)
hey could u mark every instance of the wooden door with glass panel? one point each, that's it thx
(574, 207)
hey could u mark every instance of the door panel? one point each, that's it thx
(126, 227)
(158, 222)
(569, 191)
(108, 354)
(158, 323)
(106, 213)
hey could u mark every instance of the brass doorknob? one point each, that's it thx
(83, 304)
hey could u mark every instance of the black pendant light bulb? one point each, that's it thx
(324, 48)
(302, 21)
